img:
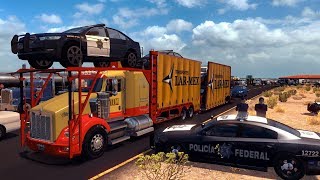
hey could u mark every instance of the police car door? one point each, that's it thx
(256, 145)
(220, 139)
(98, 44)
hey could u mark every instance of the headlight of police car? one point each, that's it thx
(49, 38)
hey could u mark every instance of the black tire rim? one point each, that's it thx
(43, 63)
(97, 143)
(290, 167)
(74, 56)
(132, 60)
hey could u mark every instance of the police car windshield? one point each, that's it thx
(283, 127)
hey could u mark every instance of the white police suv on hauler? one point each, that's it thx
(251, 142)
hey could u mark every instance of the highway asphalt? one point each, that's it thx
(15, 164)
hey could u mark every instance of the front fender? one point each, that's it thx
(88, 122)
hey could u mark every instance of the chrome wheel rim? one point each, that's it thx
(97, 143)
(289, 167)
(183, 114)
(74, 55)
(43, 63)
(132, 60)
(191, 112)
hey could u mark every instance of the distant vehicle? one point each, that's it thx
(9, 122)
(281, 82)
(257, 82)
(96, 43)
(252, 142)
(10, 97)
(314, 107)
(239, 91)
(145, 61)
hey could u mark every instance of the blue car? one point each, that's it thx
(239, 91)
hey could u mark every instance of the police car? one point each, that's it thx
(250, 142)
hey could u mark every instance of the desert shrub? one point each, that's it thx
(272, 102)
(307, 88)
(318, 93)
(314, 120)
(297, 97)
(267, 94)
(280, 88)
(280, 109)
(315, 90)
(283, 97)
(292, 92)
(303, 96)
(317, 100)
(276, 93)
(163, 166)
(299, 86)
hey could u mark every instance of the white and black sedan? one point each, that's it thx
(251, 142)
(96, 43)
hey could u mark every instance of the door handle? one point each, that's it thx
(270, 145)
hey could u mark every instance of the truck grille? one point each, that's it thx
(40, 126)
(6, 96)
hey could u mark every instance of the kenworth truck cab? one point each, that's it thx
(116, 95)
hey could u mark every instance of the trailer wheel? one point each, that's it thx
(183, 114)
(190, 112)
(2, 132)
(94, 143)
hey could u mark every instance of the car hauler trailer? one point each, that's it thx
(113, 104)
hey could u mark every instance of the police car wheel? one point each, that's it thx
(73, 56)
(40, 63)
(2, 132)
(289, 167)
(101, 64)
(190, 112)
(94, 143)
(183, 114)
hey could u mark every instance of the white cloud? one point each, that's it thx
(158, 38)
(178, 25)
(309, 13)
(127, 18)
(50, 18)
(240, 5)
(159, 3)
(8, 28)
(285, 2)
(90, 8)
(251, 47)
(191, 3)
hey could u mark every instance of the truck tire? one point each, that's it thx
(190, 112)
(2, 132)
(183, 114)
(94, 143)
(289, 167)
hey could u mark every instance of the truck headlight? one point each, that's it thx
(43, 38)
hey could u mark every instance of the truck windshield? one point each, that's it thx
(86, 85)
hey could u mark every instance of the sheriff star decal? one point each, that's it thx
(168, 79)
(99, 44)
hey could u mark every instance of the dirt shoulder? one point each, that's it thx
(293, 113)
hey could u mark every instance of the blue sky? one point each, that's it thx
(265, 38)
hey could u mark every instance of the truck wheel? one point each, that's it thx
(183, 114)
(101, 64)
(289, 167)
(73, 56)
(40, 64)
(94, 143)
(2, 132)
(190, 112)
